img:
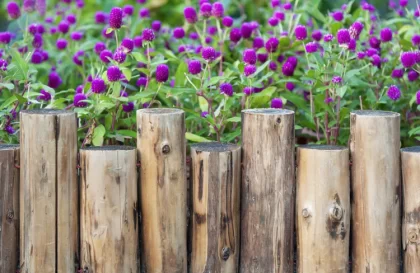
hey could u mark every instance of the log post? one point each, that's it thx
(162, 151)
(268, 188)
(410, 158)
(216, 197)
(109, 210)
(48, 197)
(376, 205)
(9, 207)
(323, 209)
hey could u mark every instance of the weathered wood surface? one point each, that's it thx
(410, 158)
(109, 225)
(376, 187)
(9, 207)
(48, 198)
(216, 198)
(323, 209)
(268, 189)
(162, 150)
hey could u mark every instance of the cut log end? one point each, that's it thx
(4, 147)
(415, 149)
(109, 148)
(323, 147)
(268, 111)
(371, 113)
(160, 111)
(214, 147)
(47, 112)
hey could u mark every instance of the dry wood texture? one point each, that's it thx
(410, 158)
(48, 197)
(376, 204)
(267, 208)
(161, 146)
(9, 207)
(323, 209)
(109, 210)
(216, 197)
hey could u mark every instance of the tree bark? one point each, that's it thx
(162, 148)
(375, 153)
(323, 209)
(9, 207)
(268, 176)
(216, 197)
(49, 198)
(109, 210)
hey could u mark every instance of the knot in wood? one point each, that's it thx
(225, 253)
(305, 213)
(10, 215)
(412, 236)
(336, 213)
(166, 149)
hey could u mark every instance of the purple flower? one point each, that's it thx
(37, 57)
(249, 70)
(156, 25)
(418, 97)
(375, 42)
(127, 44)
(311, 47)
(412, 75)
(343, 36)
(71, 18)
(273, 21)
(249, 56)
(227, 89)
(148, 34)
(79, 89)
(258, 43)
(288, 69)
(386, 35)
(394, 92)
(301, 33)
(113, 73)
(287, 6)
(144, 13)
(352, 45)
(208, 53)
(272, 66)
(119, 56)
(9, 129)
(290, 86)
(262, 57)
(5, 37)
(397, 73)
(98, 86)
(376, 60)
(115, 18)
(128, 10)
(179, 33)
(37, 42)
(227, 21)
(76, 36)
(162, 73)
(138, 41)
(403, 3)
(194, 67)
(44, 95)
(142, 81)
(246, 30)
(13, 10)
(190, 15)
(205, 10)
(194, 36)
(328, 37)
(79, 100)
(28, 5)
(101, 17)
(328, 100)
(248, 90)
(129, 107)
(280, 15)
(105, 56)
(277, 103)
(204, 114)
(415, 40)
(3, 65)
(217, 10)
(408, 59)
(336, 80)
(355, 29)
(235, 35)
(272, 44)
(338, 16)
(54, 80)
(317, 35)
(63, 27)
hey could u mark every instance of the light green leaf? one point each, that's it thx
(234, 119)
(7, 85)
(98, 135)
(195, 138)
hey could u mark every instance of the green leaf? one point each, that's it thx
(180, 74)
(98, 135)
(7, 85)
(204, 105)
(297, 100)
(129, 133)
(314, 11)
(8, 102)
(261, 99)
(139, 57)
(127, 73)
(195, 138)
(19, 66)
(116, 89)
(109, 30)
(234, 119)
(284, 41)
(341, 91)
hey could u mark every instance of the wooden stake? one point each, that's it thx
(410, 158)
(162, 148)
(9, 207)
(48, 199)
(323, 209)
(267, 213)
(216, 197)
(109, 210)
(375, 153)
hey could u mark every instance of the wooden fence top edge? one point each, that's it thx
(214, 147)
(268, 111)
(160, 111)
(323, 147)
(414, 149)
(375, 113)
(4, 147)
(109, 148)
(48, 112)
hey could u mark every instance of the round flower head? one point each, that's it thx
(205, 10)
(246, 30)
(277, 103)
(148, 34)
(418, 97)
(107, 35)
(280, 15)
(288, 69)
(98, 85)
(162, 73)
(3, 65)
(101, 17)
(249, 56)
(204, 114)
(128, 10)
(194, 36)
(37, 57)
(311, 47)
(208, 53)
(227, 89)
(44, 55)
(258, 43)
(272, 44)
(119, 56)
(394, 92)
(235, 35)
(115, 18)
(372, 51)
(375, 42)
(262, 57)
(273, 21)
(355, 29)
(208, 40)
(128, 107)
(54, 80)
(194, 67)
(181, 48)
(138, 41)
(113, 73)
(212, 30)
(156, 25)
(376, 60)
(217, 10)
(397, 73)
(290, 86)
(336, 80)
(105, 56)
(403, 3)
(352, 45)
(301, 33)
(338, 16)
(77, 58)
(343, 36)
(28, 5)
(328, 37)
(142, 81)
(37, 42)
(190, 15)
(287, 6)
(71, 18)
(415, 40)
(79, 100)
(272, 66)
(249, 70)
(144, 13)
(412, 75)
(179, 33)
(9, 129)
(317, 35)
(227, 21)
(63, 27)
(248, 90)
(386, 35)
(408, 59)
(13, 10)
(76, 36)
(44, 95)
(127, 45)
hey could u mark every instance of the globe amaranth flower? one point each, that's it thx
(3, 65)
(394, 92)
(338, 16)
(415, 40)
(99, 47)
(227, 89)
(311, 47)
(343, 36)
(403, 3)
(249, 70)
(418, 97)
(352, 45)
(280, 15)
(113, 73)
(328, 100)
(208, 40)
(5, 37)
(317, 35)
(37, 41)
(375, 42)
(262, 57)
(288, 69)
(190, 15)
(98, 85)
(272, 44)
(54, 80)
(148, 34)
(227, 21)
(162, 73)
(13, 10)
(144, 13)
(208, 53)
(156, 25)
(397, 73)
(337, 80)
(205, 10)
(142, 81)
(272, 66)
(212, 30)
(258, 43)
(273, 21)
(287, 6)
(63, 27)
(76, 36)
(408, 59)
(412, 75)
(9, 129)
(277, 103)
(28, 5)
(290, 86)
(194, 67)
(355, 29)
(248, 90)
(249, 56)
(179, 33)
(128, 107)
(115, 18)
(37, 57)
(127, 45)
(128, 10)
(106, 56)
(71, 18)
(301, 33)
(44, 95)
(376, 60)
(246, 30)
(235, 35)
(101, 17)
(78, 57)
(217, 10)
(386, 35)
(328, 37)
(138, 41)
(80, 100)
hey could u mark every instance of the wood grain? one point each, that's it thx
(376, 187)
(48, 198)
(323, 209)
(161, 146)
(109, 210)
(410, 158)
(9, 207)
(216, 199)
(268, 190)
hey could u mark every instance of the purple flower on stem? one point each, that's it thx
(386, 35)
(415, 40)
(288, 69)
(179, 33)
(249, 70)
(144, 13)
(194, 67)
(208, 53)
(227, 21)
(218, 10)
(408, 59)
(63, 27)
(311, 47)
(105, 56)
(262, 57)
(190, 15)
(272, 44)
(235, 35)
(258, 43)
(128, 10)
(249, 56)
(338, 16)
(44, 95)
(29, 5)
(148, 34)
(336, 80)
(138, 41)
(301, 33)
(119, 56)
(204, 114)
(317, 35)
(142, 81)
(76, 36)
(397, 73)
(5, 37)
(343, 36)
(9, 129)
(79, 100)
(37, 57)
(54, 80)
(127, 45)
(418, 97)
(37, 42)
(98, 85)
(128, 107)
(246, 30)
(277, 103)
(272, 66)
(403, 3)
(113, 73)
(13, 10)
(227, 89)
(375, 42)
(248, 90)
(61, 44)
(101, 17)
(162, 73)
(290, 86)
(71, 18)
(205, 10)
(273, 21)
(328, 37)
(394, 92)
(412, 75)
(355, 29)
(115, 18)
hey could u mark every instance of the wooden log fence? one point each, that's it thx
(116, 214)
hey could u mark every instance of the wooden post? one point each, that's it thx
(48, 197)
(268, 188)
(162, 148)
(9, 207)
(216, 197)
(323, 209)
(109, 210)
(410, 158)
(375, 154)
